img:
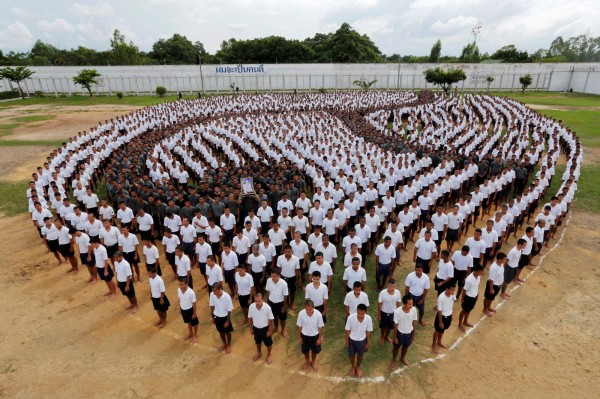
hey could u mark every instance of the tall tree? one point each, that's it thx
(87, 78)
(123, 53)
(470, 53)
(436, 52)
(347, 45)
(510, 54)
(16, 75)
(175, 50)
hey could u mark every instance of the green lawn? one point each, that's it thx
(33, 118)
(13, 197)
(553, 98)
(141, 101)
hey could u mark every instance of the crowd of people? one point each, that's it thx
(343, 186)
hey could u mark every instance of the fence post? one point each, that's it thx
(54, 85)
(586, 80)
(69, 87)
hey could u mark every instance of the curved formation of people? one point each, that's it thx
(264, 199)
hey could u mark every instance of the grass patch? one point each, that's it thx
(14, 201)
(554, 98)
(588, 190)
(83, 101)
(27, 143)
(584, 123)
(33, 118)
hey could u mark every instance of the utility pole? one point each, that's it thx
(201, 75)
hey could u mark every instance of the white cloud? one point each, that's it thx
(454, 24)
(238, 26)
(58, 25)
(16, 36)
(87, 10)
(19, 12)
(89, 30)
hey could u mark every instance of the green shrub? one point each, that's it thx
(6, 95)
(39, 93)
(161, 91)
(119, 94)
(322, 90)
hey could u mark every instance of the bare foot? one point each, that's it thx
(389, 340)
(359, 372)
(406, 362)
(222, 348)
(381, 341)
(468, 324)
(305, 365)
(434, 349)
(461, 328)
(188, 337)
(108, 293)
(352, 372)
(90, 280)
(94, 281)
(294, 307)
(134, 310)
(162, 325)
(493, 310)
(505, 296)
(269, 359)
(422, 324)
(257, 356)
(243, 323)
(284, 333)
(444, 346)
(129, 307)
(194, 340)
(392, 364)
(228, 349)
(488, 314)
(113, 297)
(158, 323)
(314, 366)
(520, 280)
(71, 270)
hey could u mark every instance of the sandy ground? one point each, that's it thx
(60, 338)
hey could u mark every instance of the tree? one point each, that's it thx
(347, 45)
(489, 81)
(123, 53)
(510, 54)
(436, 51)
(470, 53)
(444, 79)
(175, 50)
(87, 78)
(525, 82)
(161, 91)
(16, 75)
(363, 84)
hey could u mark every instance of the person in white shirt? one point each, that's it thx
(469, 297)
(512, 265)
(109, 237)
(310, 330)
(241, 246)
(258, 264)
(170, 241)
(384, 258)
(106, 212)
(151, 256)
(477, 247)
(359, 327)
(124, 214)
(300, 223)
(220, 309)
(300, 250)
(183, 266)
(445, 272)
(128, 244)
(318, 293)
(525, 253)
(160, 302)
(278, 299)
(228, 222)
(125, 281)
(389, 299)
(85, 253)
(353, 274)
(260, 317)
(104, 269)
(229, 261)
(424, 252)
(494, 283)
(405, 320)
(354, 298)
(187, 305)
(244, 290)
(65, 245)
(443, 319)
(214, 234)
(417, 284)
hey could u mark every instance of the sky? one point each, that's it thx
(396, 26)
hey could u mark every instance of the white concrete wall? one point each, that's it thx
(186, 78)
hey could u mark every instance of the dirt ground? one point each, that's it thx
(61, 338)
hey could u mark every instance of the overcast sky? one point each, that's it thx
(396, 26)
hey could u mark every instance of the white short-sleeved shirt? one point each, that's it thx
(170, 243)
(187, 299)
(203, 251)
(277, 291)
(101, 256)
(299, 249)
(310, 325)
(214, 234)
(472, 285)
(244, 284)
(151, 254)
(324, 269)
(183, 265)
(445, 304)
(476, 248)
(496, 273)
(317, 294)
(405, 320)
(277, 237)
(230, 261)
(64, 237)
(93, 229)
(416, 286)
(389, 302)
(268, 252)
(110, 236)
(425, 249)
(265, 214)
(329, 252)
(228, 223)
(214, 275)
(445, 270)
(241, 244)
(106, 213)
(157, 286)
(352, 301)
(222, 305)
(125, 216)
(83, 242)
(260, 317)
(122, 270)
(351, 276)
(300, 225)
(144, 222)
(251, 235)
(462, 262)
(188, 234)
(386, 255)
(348, 241)
(288, 267)
(257, 263)
(128, 243)
(358, 330)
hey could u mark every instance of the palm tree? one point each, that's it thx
(16, 75)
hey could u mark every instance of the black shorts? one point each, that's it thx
(440, 288)
(188, 248)
(220, 324)
(387, 320)
(357, 347)
(523, 261)
(53, 245)
(170, 258)
(403, 340)
(122, 285)
(416, 300)
(309, 344)
(451, 235)
(488, 254)
(291, 283)
(469, 303)
(383, 270)
(229, 276)
(214, 246)
(244, 301)
(459, 277)
(146, 235)
(425, 263)
(509, 274)
(446, 322)
(187, 314)
(228, 235)
(109, 273)
(277, 308)
(321, 308)
(84, 260)
(111, 249)
(487, 294)
(202, 267)
(242, 258)
(161, 307)
(260, 336)
(130, 257)
(66, 250)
